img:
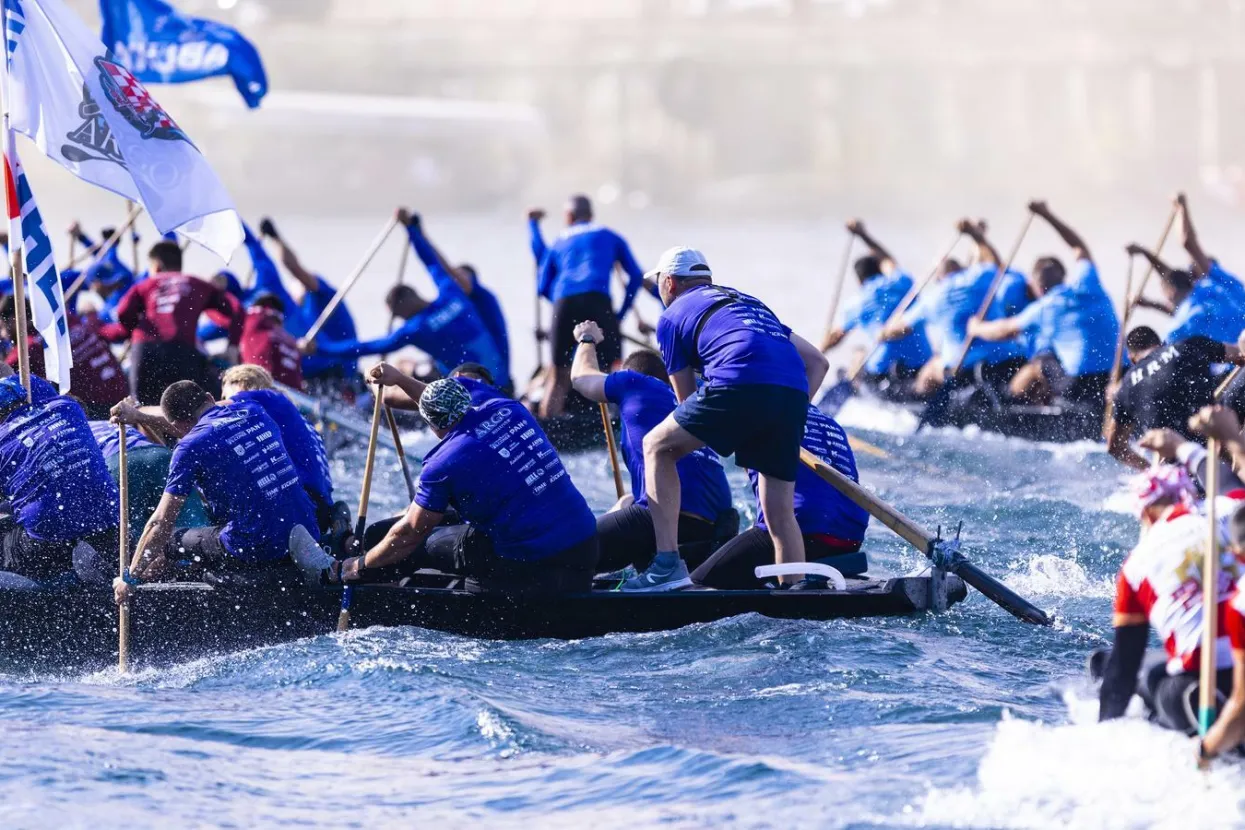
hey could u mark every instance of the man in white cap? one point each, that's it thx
(753, 404)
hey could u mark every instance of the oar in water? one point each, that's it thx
(613, 448)
(123, 610)
(941, 400)
(351, 280)
(365, 495)
(1207, 681)
(944, 554)
(397, 445)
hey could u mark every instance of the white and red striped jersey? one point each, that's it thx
(1162, 578)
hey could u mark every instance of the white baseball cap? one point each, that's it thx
(683, 263)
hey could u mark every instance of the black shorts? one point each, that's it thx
(43, 559)
(627, 538)
(156, 366)
(1172, 699)
(762, 425)
(734, 565)
(569, 312)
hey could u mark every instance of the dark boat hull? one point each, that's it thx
(77, 631)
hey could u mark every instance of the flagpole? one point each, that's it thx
(10, 198)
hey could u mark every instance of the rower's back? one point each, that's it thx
(1168, 386)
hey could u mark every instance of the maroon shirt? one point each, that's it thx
(165, 308)
(96, 377)
(266, 343)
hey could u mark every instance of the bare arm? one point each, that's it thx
(150, 419)
(1229, 729)
(993, 330)
(858, 228)
(292, 264)
(1192, 244)
(403, 538)
(833, 338)
(815, 364)
(149, 561)
(401, 391)
(586, 375)
(1120, 449)
(684, 383)
(1157, 264)
(985, 251)
(1070, 237)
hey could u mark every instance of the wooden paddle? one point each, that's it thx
(129, 208)
(123, 610)
(1207, 685)
(102, 249)
(1117, 362)
(842, 278)
(397, 445)
(365, 495)
(927, 543)
(351, 280)
(406, 252)
(613, 448)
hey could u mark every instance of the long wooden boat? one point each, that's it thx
(77, 630)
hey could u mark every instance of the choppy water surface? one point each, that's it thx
(965, 719)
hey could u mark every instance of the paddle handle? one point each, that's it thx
(406, 252)
(365, 493)
(397, 445)
(1117, 362)
(123, 550)
(102, 249)
(1131, 301)
(351, 280)
(995, 284)
(1207, 685)
(837, 296)
(613, 448)
(1223, 387)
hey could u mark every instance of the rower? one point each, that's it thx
(402, 391)
(161, 314)
(233, 456)
(525, 528)
(446, 328)
(1166, 385)
(62, 502)
(484, 301)
(301, 311)
(644, 398)
(1072, 323)
(832, 526)
(883, 286)
(107, 276)
(97, 379)
(946, 307)
(247, 383)
(753, 404)
(266, 342)
(574, 274)
(1159, 586)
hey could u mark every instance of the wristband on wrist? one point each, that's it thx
(129, 579)
(587, 340)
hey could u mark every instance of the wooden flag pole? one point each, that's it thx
(123, 610)
(1207, 685)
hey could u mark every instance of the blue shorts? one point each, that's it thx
(761, 424)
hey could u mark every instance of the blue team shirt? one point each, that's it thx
(1215, 309)
(497, 468)
(1076, 321)
(485, 303)
(302, 442)
(742, 343)
(819, 508)
(52, 472)
(480, 392)
(581, 261)
(109, 440)
(869, 311)
(643, 403)
(235, 459)
(945, 309)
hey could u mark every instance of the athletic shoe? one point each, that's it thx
(811, 583)
(657, 579)
(308, 556)
(619, 576)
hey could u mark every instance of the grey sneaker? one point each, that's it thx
(657, 579)
(308, 556)
(621, 575)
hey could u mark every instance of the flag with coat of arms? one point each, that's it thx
(87, 112)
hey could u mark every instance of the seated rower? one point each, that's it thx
(63, 504)
(644, 398)
(1159, 587)
(251, 384)
(945, 309)
(526, 529)
(1166, 385)
(883, 286)
(233, 456)
(833, 526)
(1072, 322)
(402, 391)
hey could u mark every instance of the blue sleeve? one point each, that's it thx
(181, 480)
(267, 277)
(209, 331)
(547, 273)
(85, 240)
(919, 311)
(617, 385)
(1030, 317)
(428, 256)
(851, 315)
(635, 276)
(539, 249)
(405, 335)
(668, 342)
(432, 490)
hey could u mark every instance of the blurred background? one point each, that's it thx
(750, 128)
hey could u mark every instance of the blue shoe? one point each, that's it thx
(620, 576)
(658, 578)
(811, 583)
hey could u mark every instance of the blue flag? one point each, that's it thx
(160, 45)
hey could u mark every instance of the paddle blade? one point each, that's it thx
(1000, 594)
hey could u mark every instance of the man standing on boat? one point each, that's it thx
(574, 273)
(161, 314)
(233, 456)
(1072, 325)
(883, 287)
(753, 404)
(642, 392)
(525, 529)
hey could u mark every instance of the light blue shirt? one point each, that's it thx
(1215, 308)
(945, 309)
(869, 311)
(1076, 321)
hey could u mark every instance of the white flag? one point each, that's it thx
(86, 112)
(44, 291)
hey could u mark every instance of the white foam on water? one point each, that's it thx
(1051, 575)
(1123, 774)
(862, 413)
